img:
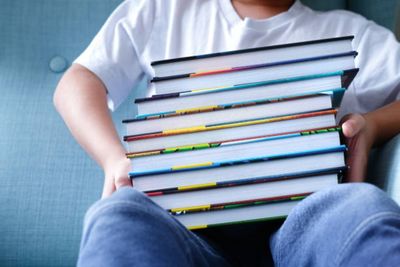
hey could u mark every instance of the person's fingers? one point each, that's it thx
(357, 168)
(117, 176)
(352, 124)
(108, 188)
(357, 158)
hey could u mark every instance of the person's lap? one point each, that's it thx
(339, 226)
(347, 225)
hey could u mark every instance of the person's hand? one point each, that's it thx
(116, 175)
(359, 137)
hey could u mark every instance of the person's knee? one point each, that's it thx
(124, 199)
(358, 190)
(351, 202)
(354, 197)
(335, 214)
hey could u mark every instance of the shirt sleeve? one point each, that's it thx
(378, 82)
(114, 54)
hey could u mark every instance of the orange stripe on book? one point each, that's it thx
(202, 73)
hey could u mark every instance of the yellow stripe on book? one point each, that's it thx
(196, 109)
(196, 186)
(194, 208)
(230, 125)
(197, 227)
(192, 165)
(223, 126)
(244, 123)
(185, 130)
(142, 154)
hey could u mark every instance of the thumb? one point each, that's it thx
(122, 180)
(352, 124)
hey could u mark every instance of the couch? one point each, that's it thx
(47, 181)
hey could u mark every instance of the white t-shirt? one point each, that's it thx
(141, 31)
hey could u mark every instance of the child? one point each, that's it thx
(142, 31)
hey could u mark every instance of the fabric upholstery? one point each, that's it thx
(383, 12)
(384, 168)
(47, 181)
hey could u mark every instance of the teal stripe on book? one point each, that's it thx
(263, 83)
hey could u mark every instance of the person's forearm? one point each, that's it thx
(385, 122)
(81, 100)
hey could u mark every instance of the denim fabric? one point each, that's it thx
(129, 229)
(47, 181)
(348, 225)
(384, 168)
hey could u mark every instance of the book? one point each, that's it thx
(241, 136)
(225, 172)
(232, 130)
(224, 113)
(201, 198)
(254, 73)
(236, 150)
(244, 57)
(271, 89)
(239, 212)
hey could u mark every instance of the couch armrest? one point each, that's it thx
(384, 168)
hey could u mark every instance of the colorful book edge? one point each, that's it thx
(251, 67)
(232, 142)
(203, 165)
(241, 51)
(246, 181)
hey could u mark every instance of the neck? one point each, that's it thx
(261, 9)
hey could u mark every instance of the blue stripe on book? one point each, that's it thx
(241, 161)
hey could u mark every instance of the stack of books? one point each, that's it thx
(245, 140)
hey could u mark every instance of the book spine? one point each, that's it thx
(193, 167)
(219, 126)
(231, 142)
(246, 181)
(337, 93)
(243, 68)
(238, 204)
(241, 51)
(242, 86)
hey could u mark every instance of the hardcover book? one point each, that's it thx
(253, 91)
(245, 57)
(241, 136)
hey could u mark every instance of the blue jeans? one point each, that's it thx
(347, 225)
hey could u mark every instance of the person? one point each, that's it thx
(142, 31)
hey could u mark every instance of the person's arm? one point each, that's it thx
(365, 131)
(81, 100)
